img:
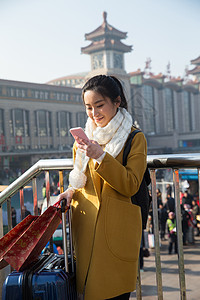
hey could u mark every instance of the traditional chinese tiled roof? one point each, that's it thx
(196, 61)
(105, 30)
(105, 37)
(106, 44)
(158, 76)
(176, 79)
(138, 72)
(194, 71)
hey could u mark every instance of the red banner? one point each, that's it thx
(18, 139)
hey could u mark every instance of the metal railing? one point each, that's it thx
(155, 162)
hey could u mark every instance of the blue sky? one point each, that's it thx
(41, 39)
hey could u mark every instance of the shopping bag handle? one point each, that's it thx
(61, 204)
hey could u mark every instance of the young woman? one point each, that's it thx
(106, 225)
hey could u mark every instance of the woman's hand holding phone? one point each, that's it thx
(78, 133)
(92, 148)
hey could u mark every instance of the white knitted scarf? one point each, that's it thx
(112, 138)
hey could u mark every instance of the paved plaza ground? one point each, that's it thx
(170, 275)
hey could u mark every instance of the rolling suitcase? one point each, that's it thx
(50, 277)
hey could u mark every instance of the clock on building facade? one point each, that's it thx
(97, 61)
(118, 61)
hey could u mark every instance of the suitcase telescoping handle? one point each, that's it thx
(64, 233)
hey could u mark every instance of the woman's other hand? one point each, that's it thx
(92, 148)
(68, 194)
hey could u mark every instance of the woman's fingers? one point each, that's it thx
(68, 194)
(81, 141)
(92, 148)
(69, 200)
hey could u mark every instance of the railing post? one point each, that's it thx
(9, 214)
(199, 185)
(21, 194)
(2, 272)
(61, 184)
(35, 200)
(1, 222)
(156, 235)
(9, 217)
(179, 235)
(47, 187)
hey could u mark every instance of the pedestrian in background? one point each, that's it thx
(170, 204)
(187, 198)
(171, 222)
(169, 190)
(185, 217)
(195, 212)
(190, 231)
(163, 216)
(14, 217)
(25, 212)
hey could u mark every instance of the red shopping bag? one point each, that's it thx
(30, 244)
(8, 240)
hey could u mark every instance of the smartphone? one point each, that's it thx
(79, 132)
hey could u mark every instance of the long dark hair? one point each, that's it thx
(107, 86)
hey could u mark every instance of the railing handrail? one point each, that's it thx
(183, 161)
(191, 160)
(36, 169)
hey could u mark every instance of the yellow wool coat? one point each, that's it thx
(107, 226)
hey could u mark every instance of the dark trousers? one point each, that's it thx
(172, 241)
(121, 297)
(162, 229)
(141, 257)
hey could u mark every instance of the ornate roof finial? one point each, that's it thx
(186, 75)
(147, 69)
(168, 70)
(105, 17)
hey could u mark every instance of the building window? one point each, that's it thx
(169, 109)
(71, 97)
(97, 61)
(19, 122)
(24, 93)
(12, 92)
(62, 97)
(2, 134)
(187, 115)
(37, 94)
(148, 109)
(43, 123)
(1, 122)
(81, 119)
(63, 123)
(58, 96)
(18, 93)
(78, 98)
(46, 95)
(41, 95)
